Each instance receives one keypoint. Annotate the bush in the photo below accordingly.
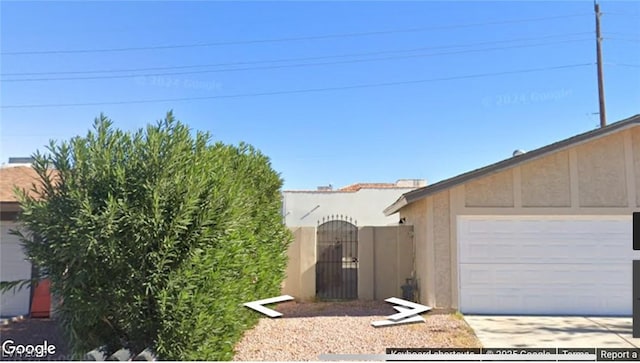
(156, 238)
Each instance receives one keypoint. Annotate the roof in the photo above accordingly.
(11, 176)
(424, 192)
(353, 188)
(358, 186)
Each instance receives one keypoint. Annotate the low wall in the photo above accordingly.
(385, 256)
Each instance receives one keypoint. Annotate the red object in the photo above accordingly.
(41, 303)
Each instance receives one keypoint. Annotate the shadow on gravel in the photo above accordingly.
(339, 308)
(34, 332)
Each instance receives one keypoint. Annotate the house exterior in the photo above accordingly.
(344, 247)
(13, 265)
(543, 232)
(362, 202)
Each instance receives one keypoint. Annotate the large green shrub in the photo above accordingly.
(156, 238)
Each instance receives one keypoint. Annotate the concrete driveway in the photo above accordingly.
(552, 331)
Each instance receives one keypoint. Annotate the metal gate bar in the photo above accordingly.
(337, 258)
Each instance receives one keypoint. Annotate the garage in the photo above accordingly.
(13, 267)
(548, 265)
(542, 232)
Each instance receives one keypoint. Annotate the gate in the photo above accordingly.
(337, 258)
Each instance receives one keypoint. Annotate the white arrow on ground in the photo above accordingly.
(415, 309)
(411, 319)
(257, 305)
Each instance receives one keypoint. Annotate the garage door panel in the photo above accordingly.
(545, 300)
(569, 276)
(544, 241)
(13, 266)
(518, 265)
(544, 223)
(514, 303)
(14, 304)
(505, 304)
(531, 248)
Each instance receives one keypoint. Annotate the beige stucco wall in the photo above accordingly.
(599, 177)
(601, 173)
(634, 135)
(385, 261)
(416, 215)
(546, 182)
(494, 190)
(300, 281)
(442, 248)
(366, 263)
(384, 255)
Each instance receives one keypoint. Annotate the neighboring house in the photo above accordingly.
(13, 265)
(362, 202)
(344, 246)
(544, 232)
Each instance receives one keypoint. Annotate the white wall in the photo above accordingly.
(366, 205)
(13, 267)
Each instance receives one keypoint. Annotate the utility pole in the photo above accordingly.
(603, 113)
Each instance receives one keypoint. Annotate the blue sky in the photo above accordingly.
(369, 91)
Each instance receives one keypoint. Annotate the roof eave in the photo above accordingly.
(396, 206)
(425, 191)
(10, 206)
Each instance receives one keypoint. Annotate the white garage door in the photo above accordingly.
(13, 267)
(571, 265)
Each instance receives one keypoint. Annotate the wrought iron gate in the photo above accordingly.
(337, 258)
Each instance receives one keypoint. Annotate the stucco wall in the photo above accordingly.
(416, 215)
(384, 255)
(393, 250)
(304, 209)
(300, 281)
(495, 190)
(442, 249)
(601, 172)
(366, 263)
(546, 182)
(635, 140)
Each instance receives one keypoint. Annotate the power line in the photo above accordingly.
(623, 34)
(299, 91)
(288, 39)
(292, 59)
(624, 39)
(285, 66)
(633, 15)
(622, 64)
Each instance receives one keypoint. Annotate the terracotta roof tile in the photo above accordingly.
(354, 188)
(358, 186)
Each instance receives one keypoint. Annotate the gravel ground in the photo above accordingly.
(34, 331)
(307, 330)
